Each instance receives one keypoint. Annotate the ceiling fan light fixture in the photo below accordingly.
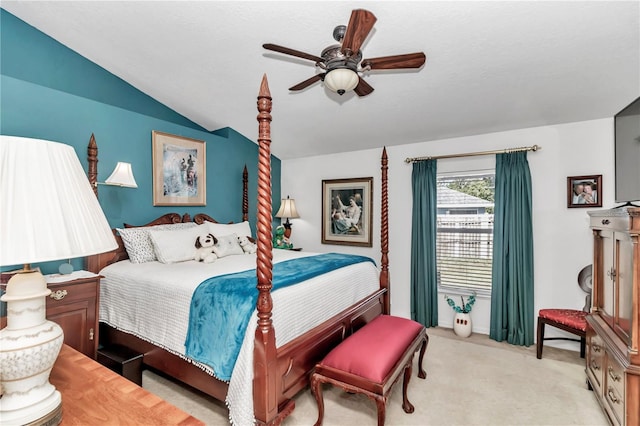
(341, 80)
(342, 63)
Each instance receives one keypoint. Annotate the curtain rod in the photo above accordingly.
(533, 148)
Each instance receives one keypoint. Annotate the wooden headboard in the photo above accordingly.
(96, 263)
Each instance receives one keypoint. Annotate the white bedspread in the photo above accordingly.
(151, 300)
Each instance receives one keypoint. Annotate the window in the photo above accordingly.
(465, 231)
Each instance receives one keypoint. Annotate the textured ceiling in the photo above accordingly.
(491, 66)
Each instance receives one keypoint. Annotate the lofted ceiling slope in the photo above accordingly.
(491, 65)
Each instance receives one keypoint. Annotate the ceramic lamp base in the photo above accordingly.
(52, 419)
(47, 412)
(29, 346)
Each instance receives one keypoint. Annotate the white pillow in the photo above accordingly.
(227, 245)
(240, 229)
(178, 245)
(138, 244)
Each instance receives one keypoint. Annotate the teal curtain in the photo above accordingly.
(424, 278)
(512, 316)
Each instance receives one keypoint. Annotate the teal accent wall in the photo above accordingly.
(47, 91)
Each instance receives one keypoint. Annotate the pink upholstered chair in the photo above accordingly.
(571, 320)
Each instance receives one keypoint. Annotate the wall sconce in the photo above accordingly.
(288, 210)
(48, 212)
(122, 176)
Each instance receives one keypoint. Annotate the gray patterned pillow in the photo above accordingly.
(138, 243)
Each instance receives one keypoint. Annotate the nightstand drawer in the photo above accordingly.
(66, 293)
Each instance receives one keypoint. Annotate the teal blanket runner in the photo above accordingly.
(222, 306)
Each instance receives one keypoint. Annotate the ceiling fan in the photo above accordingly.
(342, 63)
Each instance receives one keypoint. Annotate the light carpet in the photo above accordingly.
(473, 381)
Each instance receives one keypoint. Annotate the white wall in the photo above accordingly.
(562, 239)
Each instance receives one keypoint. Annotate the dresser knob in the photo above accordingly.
(58, 294)
(612, 396)
(605, 221)
(615, 377)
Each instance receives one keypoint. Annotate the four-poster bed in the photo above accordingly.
(277, 372)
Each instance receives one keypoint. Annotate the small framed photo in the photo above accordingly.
(584, 191)
(347, 211)
(179, 171)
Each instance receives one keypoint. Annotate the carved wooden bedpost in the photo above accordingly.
(92, 157)
(265, 383)
(245, 194)
(384, 233)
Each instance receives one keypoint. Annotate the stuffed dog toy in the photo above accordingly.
(247, 246)
(204, 248)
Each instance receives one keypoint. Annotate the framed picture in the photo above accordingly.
(584, 191)
(179, 171)
(347, 211)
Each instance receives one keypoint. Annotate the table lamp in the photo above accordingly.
(287, 210)
(48, 212)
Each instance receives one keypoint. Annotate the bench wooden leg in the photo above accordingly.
(406, 404)
(316, 389)
(421, 373)
(381, 404)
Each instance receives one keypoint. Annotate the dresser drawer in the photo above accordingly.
(610, 222)
(596, 359)
(614, 391)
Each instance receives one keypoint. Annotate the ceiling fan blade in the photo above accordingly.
(308, 82)
(292, 52)
(410, 60)
(363, 88)
(360, 25)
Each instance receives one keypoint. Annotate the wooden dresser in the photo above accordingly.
(613, 332)
(94, 395)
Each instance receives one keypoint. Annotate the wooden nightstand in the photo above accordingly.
(73, 304)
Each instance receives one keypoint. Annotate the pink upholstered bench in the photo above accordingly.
(371, 360)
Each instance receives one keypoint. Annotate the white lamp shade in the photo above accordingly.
(48, 210)
(122, 176)
(341, 80)
(288, 209)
